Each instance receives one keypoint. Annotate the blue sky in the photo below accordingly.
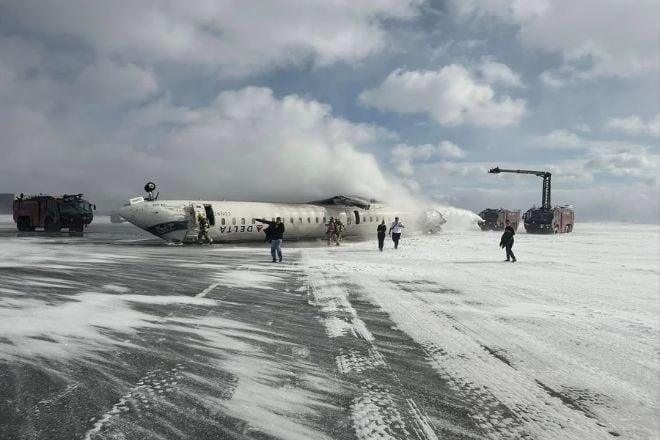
(299, 100)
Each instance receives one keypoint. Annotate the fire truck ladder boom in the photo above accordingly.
(545, 196)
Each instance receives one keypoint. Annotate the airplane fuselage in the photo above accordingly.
(176, 220)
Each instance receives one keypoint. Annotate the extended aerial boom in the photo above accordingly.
(545, 196)
(546, 219)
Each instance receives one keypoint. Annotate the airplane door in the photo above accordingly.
(195, 210)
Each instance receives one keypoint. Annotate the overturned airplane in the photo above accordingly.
(176, 220)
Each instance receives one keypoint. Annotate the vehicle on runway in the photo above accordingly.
(546, 219)
(52, 213)
(176, 220)
(495, 219)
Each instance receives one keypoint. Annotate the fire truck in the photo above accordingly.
(52, 213)
(546, 219)
(495, 219)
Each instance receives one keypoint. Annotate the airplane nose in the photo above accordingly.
(127, 213)
(131, 211)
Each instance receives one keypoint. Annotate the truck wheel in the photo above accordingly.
(23, 224)
(76, 227)
(569, 228)
(51, 226)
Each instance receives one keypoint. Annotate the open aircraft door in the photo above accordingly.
(194, 210)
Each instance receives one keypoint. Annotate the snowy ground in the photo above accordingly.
(117, 336)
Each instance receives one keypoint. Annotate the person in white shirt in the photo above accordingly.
(395, 231)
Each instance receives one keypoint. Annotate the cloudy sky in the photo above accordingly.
(304, 99)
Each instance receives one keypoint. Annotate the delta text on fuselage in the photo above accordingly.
(176, 220)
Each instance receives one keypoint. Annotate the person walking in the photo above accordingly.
(507, 242)
(331, 232)
(380, 230)
(203, 234)
(339, 230)
(395, 231)
(274, 233)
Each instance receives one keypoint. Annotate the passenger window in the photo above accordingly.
(371, 219)
(253, 221)
(242, 221)
(299, 219)
(222, 221)
(233, 220)
(317, 219)
(324, 222)
(309, 220)
(291, 219)
(364, 219)
(376, 219)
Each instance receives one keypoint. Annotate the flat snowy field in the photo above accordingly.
(115, 335)
(561, 344)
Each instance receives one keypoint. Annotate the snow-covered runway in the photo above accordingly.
(114, 335)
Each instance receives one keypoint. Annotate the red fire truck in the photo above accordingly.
(52, 213)
(495, 219)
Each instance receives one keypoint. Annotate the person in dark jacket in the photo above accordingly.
(507, 242)
(381, 230)
(274, 233)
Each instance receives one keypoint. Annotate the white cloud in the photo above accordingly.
(552, 79)
(613, 158)
(232, 36)
(247, 144)
(560, 139)
(584, 128)
(631, 163)
(404, 156)
(451, 96)
(635, 125)
(612, 37)
(498, 73)
(120, 82)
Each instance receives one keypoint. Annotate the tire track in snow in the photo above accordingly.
(153, 385)
(505, 401)
(379, 411)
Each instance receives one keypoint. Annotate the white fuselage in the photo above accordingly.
(176, 220)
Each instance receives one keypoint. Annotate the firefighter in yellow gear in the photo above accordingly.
(203, 235)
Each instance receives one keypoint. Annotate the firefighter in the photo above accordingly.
(331, 232)
(203, 235)
(339, 229)
(507, 242)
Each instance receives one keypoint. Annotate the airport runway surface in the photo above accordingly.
(115, 335)
(121, 337)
